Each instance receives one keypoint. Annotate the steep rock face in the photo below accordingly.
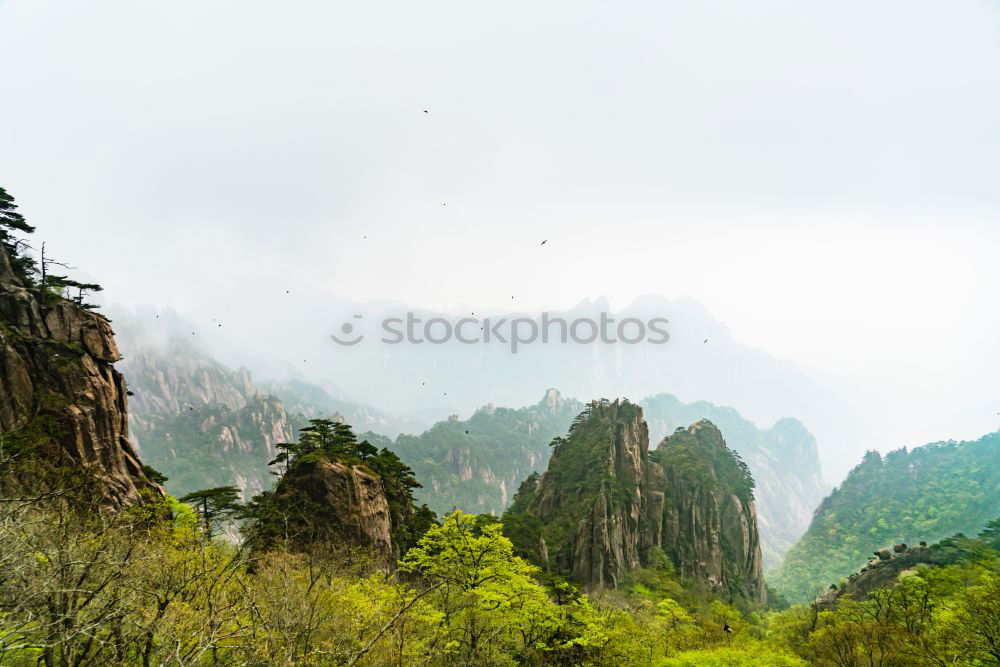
(59, 387)
(783, 459)
(608, 500)
(199, 422)
(341, 503)
(605, 504)
(710, 517)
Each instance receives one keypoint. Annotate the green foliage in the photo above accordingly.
(750, 656)
(284, 514)
(470, 463)
(214, 506)
(142, 586)
(907, 496)
(698, 456)
(154, 475)
(11, 221)
(491, 609)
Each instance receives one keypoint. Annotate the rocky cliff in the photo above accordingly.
(194, 419)
(783, 459)
(881, 572)
(336, 492)
(606, 506)
(710, 519)
(334, 502)
(61, 399)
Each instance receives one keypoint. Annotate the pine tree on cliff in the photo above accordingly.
(10, 222)
(285, 514)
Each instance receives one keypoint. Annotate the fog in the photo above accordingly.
(820, 177)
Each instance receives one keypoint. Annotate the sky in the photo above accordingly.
(822, 177)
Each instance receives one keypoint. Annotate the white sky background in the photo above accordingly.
(824, 177)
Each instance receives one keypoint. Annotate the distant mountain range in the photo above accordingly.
(700, 361)
(204, 424)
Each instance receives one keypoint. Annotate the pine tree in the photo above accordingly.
(10, 222)
(214, 505)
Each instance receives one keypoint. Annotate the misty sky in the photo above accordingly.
(822, 176)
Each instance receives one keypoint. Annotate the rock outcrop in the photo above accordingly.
(340, 504)
(606, 506)
(710, 519)
(784, 460)
(881, 572)
(600, 492)
(60, 395)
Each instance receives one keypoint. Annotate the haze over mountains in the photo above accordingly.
(425, 381)
(206, 425)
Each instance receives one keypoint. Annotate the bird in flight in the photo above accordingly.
(544, 242)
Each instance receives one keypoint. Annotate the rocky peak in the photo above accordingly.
(59, 388)
(336, 502)
(553, 400)
(710, 518)
(605, 504)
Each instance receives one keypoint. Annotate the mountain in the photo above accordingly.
(885, 568)
(606, 506)
(307, 401)
(63, 406)
(204, 424)
(336, 493)
(197, 421)
(455, 377)
(477, 463)
(783, 460)
(906, 496)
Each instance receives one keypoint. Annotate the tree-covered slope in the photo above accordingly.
(923, 494)
(477, 464)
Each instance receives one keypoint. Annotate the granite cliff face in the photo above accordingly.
(605, 506)
(61, 398)
(710, 518)
(339, 503)
(194, 419)
(599, 496)
(784, 461)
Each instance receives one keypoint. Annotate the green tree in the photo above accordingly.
(215, 505)
(11, 222)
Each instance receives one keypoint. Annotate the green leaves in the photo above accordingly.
(214, 505)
